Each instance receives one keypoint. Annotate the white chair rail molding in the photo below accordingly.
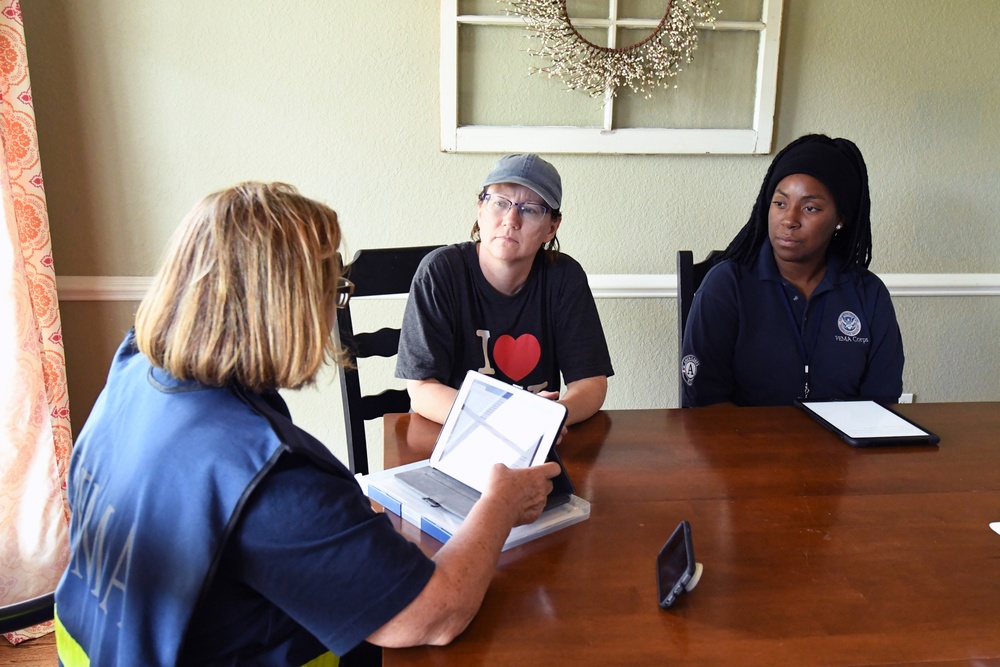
(604, 286)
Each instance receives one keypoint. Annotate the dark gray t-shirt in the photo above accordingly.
(456, 322)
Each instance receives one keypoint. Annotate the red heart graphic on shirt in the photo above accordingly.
(516, 357)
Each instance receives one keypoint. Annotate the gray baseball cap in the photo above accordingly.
(530, 171)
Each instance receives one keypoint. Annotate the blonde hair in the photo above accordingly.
(247, 293)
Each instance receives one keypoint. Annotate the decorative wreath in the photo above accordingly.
(595, 69)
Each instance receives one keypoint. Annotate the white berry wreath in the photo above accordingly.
(595, 69)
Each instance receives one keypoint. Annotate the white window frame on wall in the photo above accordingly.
(608, 139)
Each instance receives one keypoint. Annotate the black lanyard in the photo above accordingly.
(804, 354)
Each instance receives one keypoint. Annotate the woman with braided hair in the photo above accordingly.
(791, 310)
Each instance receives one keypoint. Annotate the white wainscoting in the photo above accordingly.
(604, 286)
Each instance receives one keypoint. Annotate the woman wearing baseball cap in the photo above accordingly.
(792, 310)
(507, 303)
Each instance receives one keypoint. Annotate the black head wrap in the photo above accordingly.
(828, 164)
(837, 164)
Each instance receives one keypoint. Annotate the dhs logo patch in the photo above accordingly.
(689, 368)
(849, 323)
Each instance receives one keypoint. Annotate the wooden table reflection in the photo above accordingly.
(815, 553)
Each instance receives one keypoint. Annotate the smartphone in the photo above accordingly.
(676, 569)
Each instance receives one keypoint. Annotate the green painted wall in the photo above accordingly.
(144, 107)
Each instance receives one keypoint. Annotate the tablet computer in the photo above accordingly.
(490, 422)
(863, 423)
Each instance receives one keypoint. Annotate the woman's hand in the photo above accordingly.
(524, 490)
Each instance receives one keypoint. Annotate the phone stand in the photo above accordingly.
(695, 578)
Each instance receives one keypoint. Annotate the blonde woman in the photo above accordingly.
(207, 528)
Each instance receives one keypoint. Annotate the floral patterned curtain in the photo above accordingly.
(35, 436)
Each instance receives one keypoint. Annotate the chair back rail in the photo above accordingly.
(374, 272)
(689, 277)
(381, 343)
(27, 613)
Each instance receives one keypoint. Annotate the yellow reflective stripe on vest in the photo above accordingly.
(328, 659)
(71, 654)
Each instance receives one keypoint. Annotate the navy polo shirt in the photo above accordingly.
(753, 339)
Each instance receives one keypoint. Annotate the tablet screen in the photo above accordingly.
(492, 422)
(864, 419)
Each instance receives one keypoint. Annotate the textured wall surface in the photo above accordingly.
(145, 107)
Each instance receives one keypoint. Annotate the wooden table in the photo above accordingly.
(815, 553)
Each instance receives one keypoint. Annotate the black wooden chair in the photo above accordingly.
(27, 613)
(374, 272)
(689, 277)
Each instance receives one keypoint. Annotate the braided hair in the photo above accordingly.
(853, 245)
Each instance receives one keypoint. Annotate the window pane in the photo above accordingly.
(716, 90)
(642, 9)
(590, 9)
(495, 88)
(741, 10)
(481, 8)
(732, 10)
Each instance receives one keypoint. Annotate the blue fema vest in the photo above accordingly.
(157, 480)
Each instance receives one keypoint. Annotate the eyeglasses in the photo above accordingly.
(530, 211)
(345, 289)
